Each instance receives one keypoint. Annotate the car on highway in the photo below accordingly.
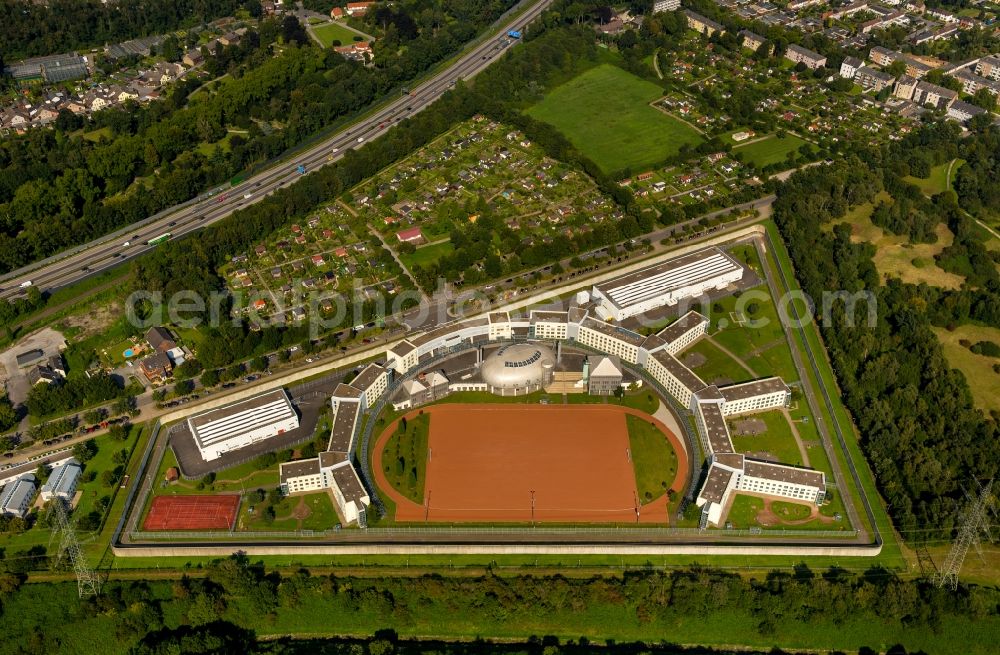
(126, 244)
(360, 139)
(246, 196)
(26, 284)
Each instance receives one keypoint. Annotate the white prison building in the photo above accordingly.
(235, 426)
(667, 283)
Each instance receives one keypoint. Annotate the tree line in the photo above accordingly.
(220, 609)
(29, 29)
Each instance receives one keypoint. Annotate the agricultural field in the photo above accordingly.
(605, 113)
(981, 371)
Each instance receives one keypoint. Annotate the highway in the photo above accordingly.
(87, 260)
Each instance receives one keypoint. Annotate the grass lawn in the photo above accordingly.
(895, 256)
(790, 511)
(406, 457)
(769, 150)
(778, 440)
(937, 181)
(427, 255)
(653, 459)
(743, 513)
(605, 113)
(719, 368)
(758, 338)
(978, 369)
(316, 510)
(98, 134)
(331, 32)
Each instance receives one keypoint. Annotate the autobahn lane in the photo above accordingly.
(220, 202)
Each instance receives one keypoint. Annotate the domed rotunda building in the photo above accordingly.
(517, 369)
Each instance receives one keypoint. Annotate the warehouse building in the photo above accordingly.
(667, 283)
(242, 423)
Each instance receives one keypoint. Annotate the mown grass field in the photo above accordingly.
(605, 113)
(937, 181)
(653, 459)
(405, 456)
(427, 255)
(331, 32)
(978, 369)
(770, 150)
(778, 440)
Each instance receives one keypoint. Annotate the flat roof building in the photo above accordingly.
(667, 283)
(242, 423)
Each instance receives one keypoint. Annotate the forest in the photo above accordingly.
(30, 29)
(220, 608)
(919, 430)
(59, 189)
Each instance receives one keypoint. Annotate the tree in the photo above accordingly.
(896, 68)
(985, 98)
(84, 451)
(183, 388)
(8, 416)
(210, 378)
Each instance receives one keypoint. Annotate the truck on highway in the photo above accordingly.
(155, 241)
(514, 34)
(26, 284)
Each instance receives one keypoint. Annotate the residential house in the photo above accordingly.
(797, 54)
(872, 79)
(157, 367)
(963, 111)
(751, 40)
(849, 67)
(703, 25)
(160, 339)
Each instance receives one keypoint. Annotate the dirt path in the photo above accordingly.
(733, 355)
(347, 208)
(803, 451)
(768, 517)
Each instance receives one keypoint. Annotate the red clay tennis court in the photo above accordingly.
(523, 463)
(192, 513)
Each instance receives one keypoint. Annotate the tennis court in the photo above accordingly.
(192, 512)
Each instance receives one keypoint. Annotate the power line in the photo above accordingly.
(974, 524)
(87, 582)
